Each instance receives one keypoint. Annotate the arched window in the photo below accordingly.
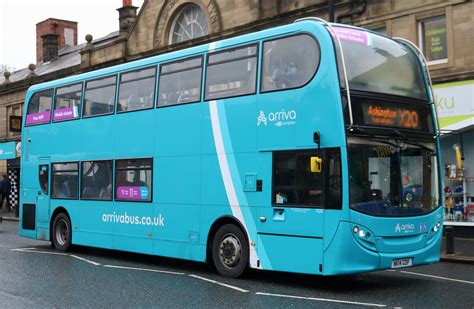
(189, 23)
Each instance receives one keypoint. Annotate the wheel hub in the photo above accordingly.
(61, 232)
(230, 250)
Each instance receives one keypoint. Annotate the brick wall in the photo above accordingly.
(53, 26)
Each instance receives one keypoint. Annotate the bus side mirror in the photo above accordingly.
(316, 164)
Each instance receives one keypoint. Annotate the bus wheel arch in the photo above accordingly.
(228, 232)
(61, 230)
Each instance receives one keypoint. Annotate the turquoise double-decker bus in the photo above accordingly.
(307, 148)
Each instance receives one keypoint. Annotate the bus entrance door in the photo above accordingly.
(43, 198)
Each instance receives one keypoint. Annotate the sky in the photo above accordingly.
(18, 19)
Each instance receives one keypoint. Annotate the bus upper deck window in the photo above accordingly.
(99, 97)
(137, 90)
(39, 108)
(180, 82)
(67, 102)
(231, 73)
(289, 62)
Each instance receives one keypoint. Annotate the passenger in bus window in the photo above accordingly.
(285, 74)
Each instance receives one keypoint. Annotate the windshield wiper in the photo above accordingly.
(409, 141)
(375, 138)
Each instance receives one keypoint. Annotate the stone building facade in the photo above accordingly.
(158, 28)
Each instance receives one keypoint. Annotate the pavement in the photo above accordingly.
(463, 247)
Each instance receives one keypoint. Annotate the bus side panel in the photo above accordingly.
(177, 181)
(93, 224)
(281, 252)
(176, 231)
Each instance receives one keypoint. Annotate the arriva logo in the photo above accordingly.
(282, 118)
(405, 228)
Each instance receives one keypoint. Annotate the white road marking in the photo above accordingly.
(436, 277)
(32, 250)
(220, 283)
(85, 260)
(145, 269)
(323, 299)
(42, 252)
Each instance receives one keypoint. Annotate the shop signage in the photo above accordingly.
(7, 151)
(15, 123)
(434, 39)
(454, 102)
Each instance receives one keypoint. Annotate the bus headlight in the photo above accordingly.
(364, 237)
(436, 227)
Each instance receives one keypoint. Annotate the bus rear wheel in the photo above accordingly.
(230, 251)
(61, 235)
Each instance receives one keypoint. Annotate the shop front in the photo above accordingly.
(455, 105)
(10, 166)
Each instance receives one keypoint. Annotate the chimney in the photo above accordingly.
(127, 16)
(50, 47)
(53, 34)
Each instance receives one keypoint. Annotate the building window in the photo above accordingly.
(189, 23)
(133, 180)
(180, 82)
(14, 113)
(433, 39)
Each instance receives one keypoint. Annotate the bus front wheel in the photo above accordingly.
(230, 251)
(61, 234)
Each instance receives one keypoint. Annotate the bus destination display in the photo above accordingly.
(382, 115)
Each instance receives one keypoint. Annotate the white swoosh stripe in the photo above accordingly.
(226, 176)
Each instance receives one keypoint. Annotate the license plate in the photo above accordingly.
(399, 263)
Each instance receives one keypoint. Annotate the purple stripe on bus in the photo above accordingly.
(38, 118)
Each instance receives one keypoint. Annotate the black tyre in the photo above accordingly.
(62, 232)
(230, 251)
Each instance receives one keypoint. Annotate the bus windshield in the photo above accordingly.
(390, 178)
(375, 63)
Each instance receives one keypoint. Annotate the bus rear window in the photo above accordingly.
(67, 102)
(39, 108)
(231, 73)
(136, 90)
